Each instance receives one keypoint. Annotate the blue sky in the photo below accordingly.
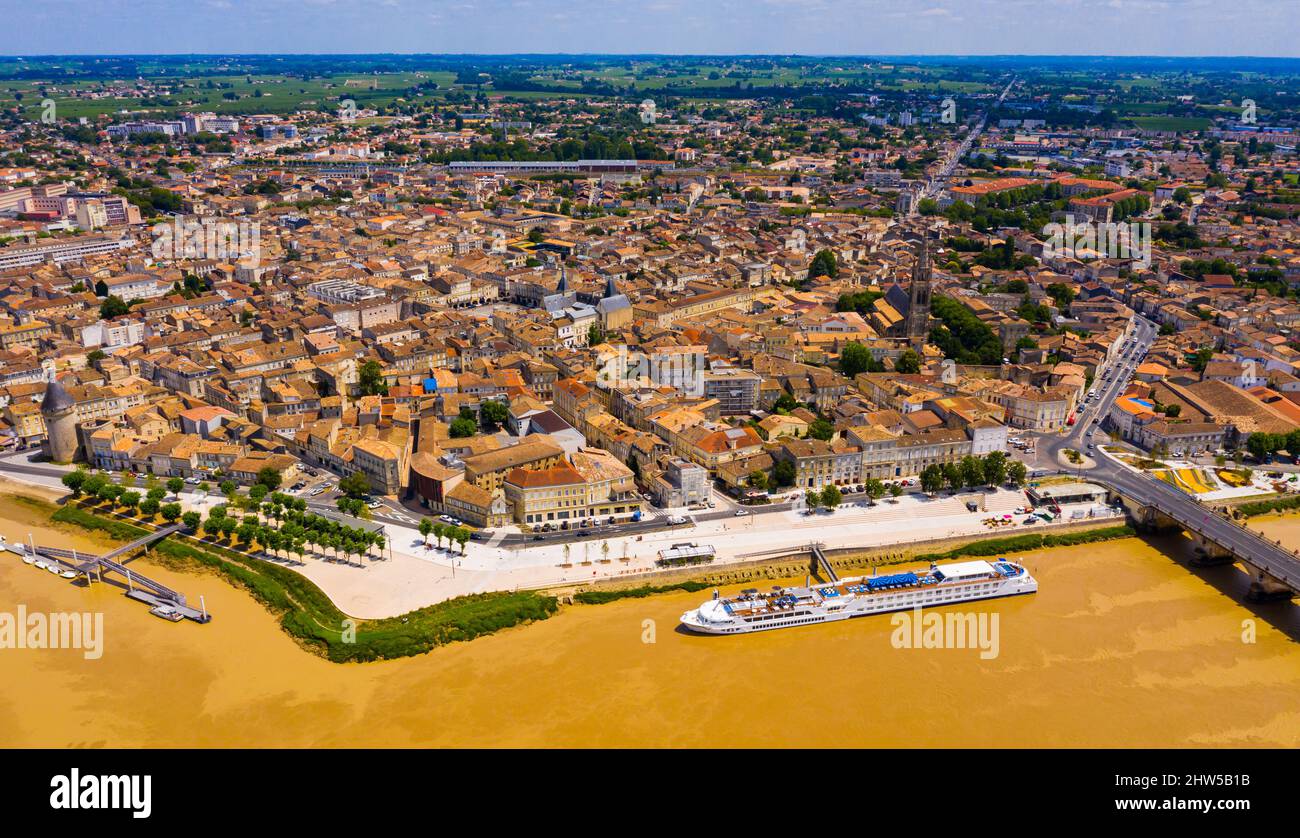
(842, 27)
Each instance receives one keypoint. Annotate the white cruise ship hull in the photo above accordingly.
(714, 618)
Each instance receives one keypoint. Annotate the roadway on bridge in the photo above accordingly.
(1146, 490)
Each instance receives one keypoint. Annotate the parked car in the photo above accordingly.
(740, 513)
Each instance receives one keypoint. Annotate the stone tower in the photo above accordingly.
(59, 411)
(918, 309)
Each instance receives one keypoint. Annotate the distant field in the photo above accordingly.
(1171, 123)
(261, 94)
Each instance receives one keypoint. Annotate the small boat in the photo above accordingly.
(68, 574)
(167, 613)
(53, 568)
(29, 559)
(41, 565)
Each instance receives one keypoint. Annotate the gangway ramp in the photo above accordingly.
(821, 563)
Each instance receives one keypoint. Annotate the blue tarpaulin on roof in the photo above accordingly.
(877, 582)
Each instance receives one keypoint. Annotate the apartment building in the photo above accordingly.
(489, 470)
(594, 485)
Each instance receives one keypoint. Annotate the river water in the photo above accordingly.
(1122, 646)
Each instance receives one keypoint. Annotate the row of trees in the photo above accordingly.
(993, 469)
(831, 496)
(1262, 445)
(294, 529)
(439, 531)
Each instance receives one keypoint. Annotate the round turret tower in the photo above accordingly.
(59, 411)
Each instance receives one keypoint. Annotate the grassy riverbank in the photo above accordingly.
(603, 596)
(1028, 541)
(1289, 503)
(307, 614)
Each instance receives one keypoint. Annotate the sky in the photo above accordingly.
(715, 27)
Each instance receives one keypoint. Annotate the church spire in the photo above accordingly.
(918, 309)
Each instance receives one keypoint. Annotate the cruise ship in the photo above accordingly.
(944, 584)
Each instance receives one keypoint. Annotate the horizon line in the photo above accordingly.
(28, 56)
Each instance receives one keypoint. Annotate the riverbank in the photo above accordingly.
(304, 611)
(309, 614)
(845, 561)
(1161, 647)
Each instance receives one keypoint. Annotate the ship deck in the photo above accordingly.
(864, 586)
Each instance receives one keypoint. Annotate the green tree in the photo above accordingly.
(269, 477)
(757, 480)
(783, 473)
(149, 507)
(785, 403)
(854, 358)
(931, 479)
(1061, 294)
(875, 488)
(908, 363)
(113, 307)
(92, 484)
(74, 480)
(355, 485)
(493, 414)
(462, 427)
(823, 264)
(130, 501)
(952, 476)
(831, 496)
(821, 429)
(972, 470)
(1017, 473)
(370, 379)
(192, 520)
(1202, 358)
(175, 485)
(426, 527)
(812, 498)
(995, 468)
(171, 512)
